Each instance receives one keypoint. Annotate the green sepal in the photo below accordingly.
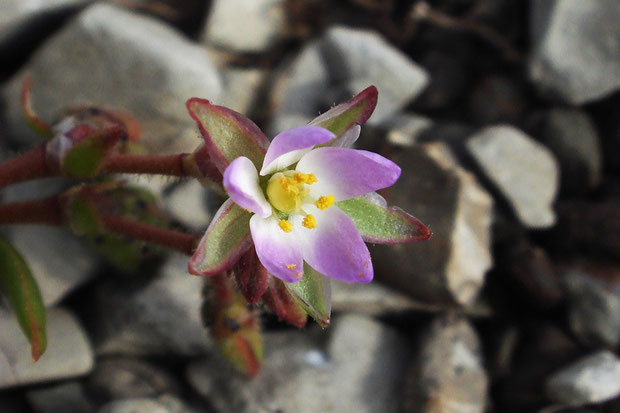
(227, 238)
(85, 159)
(380, 224)
(354, 111)
(313, 293)
(227, 134)
(23, 294)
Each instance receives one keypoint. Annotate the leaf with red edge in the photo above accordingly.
(235, 328)
(381, 224)
(283, 304)
(252, 277)
(88, 153)
(227, 134)
(355, 111)
(227, 238)
(21, 289)
(36, 124)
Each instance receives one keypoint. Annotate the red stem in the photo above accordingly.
(29, 165)
(147, 164)
(46, 211)
(179, 241)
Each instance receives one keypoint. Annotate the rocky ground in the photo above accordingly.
(505, 118)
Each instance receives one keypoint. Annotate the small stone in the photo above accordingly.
(162, 404)
(448, 373)
(159, 316)
(575, 47)
(245, 26)
(186, 203)
(358, 371)
(405, 129)
(129, 378)
(523, 170)
(66, 397)
(573, 138)
(360, 58)
(449, 267)
(593, 307)
(591, 379)
(241, 88)
(111, 57)
(68, 352)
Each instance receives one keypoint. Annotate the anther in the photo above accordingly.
(309, 222)
(285, 225)
(324, 202)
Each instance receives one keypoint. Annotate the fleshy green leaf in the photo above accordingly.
(226, 240)
(280, 300)
(87, 156)
(381, 224)
(252, 278)
(313, 293)
(233, 325)
(36, 124)
(355, 111)
(227, 134)
(17, 283)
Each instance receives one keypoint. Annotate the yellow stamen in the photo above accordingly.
(285, 225)
(309, 222)
(290, 266)
(324, 202)
(302, 178)
(299, 275)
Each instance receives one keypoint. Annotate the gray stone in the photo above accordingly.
(449, 267)
(241, 88)
(66, 397)
(245, 26)
(129, 378)
(523, 170)
(591, 379)
(186, 203)
(593, 308)
(159, 316)
(360, 58)
(572, 136)
(163, 404)
(405, 129)
(111, 57)
(68, 351)
(358, 371)
(575, 48)
(447, 375)
(338, 65)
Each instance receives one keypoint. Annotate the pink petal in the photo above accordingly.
(278, 251)
(241, 184)
(347, 173)
(335, 248)
(289, 146)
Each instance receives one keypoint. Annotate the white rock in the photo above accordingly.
(358, 371)
(244, 26)
(241, 87)
(68, 351)
(523, 170)
(113, 58)
(159, 317)
(576, 45)
(405, 129)
(591, 379)
(186, 203)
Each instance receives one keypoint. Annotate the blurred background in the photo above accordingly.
(505, 118)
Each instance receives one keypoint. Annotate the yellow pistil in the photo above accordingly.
(309, 222)
(324, 202)
(285, 225)
(285, 191)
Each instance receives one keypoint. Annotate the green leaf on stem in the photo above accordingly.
(313, 293)
(86, 157)
(36, 124)
(227, 238)
(355, 111)
(381, 224)
(21, 289)
(227, 134)
(280, 300)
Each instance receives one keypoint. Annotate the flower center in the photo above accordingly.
(286, 190)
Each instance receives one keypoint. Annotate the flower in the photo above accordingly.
(294, 199)
(305, 201)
